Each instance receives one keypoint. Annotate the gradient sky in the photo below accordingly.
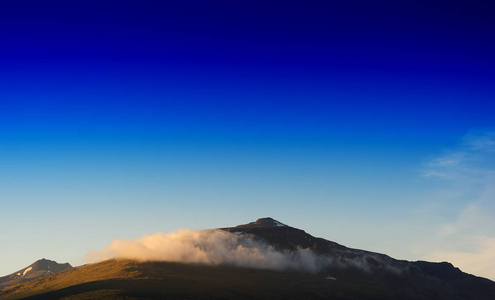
(368, 123)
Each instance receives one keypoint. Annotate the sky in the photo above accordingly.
(367, 123)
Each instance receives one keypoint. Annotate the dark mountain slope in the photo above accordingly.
(125, 279)
(421, 278)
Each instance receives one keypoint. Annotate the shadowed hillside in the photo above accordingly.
(153, 280)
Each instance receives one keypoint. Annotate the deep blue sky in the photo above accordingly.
(129, 117)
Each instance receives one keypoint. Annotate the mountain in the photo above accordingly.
(417, 280)
(343, 273)
(38, 269)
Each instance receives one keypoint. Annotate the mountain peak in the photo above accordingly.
(269, 222)
(264, 223)
(40, 268)
(49, 265)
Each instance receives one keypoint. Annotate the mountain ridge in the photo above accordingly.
(429, 273)
(345, 273)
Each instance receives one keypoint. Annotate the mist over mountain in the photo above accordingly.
(214, 247)
(264, 259)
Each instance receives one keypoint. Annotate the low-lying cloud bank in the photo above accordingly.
(213, 247)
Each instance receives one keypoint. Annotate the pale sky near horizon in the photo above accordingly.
(371, 125)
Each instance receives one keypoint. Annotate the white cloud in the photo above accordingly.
(212, 247)
(468, 239)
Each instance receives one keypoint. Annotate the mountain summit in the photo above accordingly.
(38, 269)
(284, 237)
(341, 273)
(264, 222)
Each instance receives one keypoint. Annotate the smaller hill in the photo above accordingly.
(38, 269)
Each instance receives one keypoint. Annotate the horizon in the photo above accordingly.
(370, 125)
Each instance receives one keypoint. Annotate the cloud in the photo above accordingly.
(472, 162)
(468, 176)
(213, 247)
(219, 247)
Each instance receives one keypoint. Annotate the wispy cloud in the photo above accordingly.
(468, 239)
(472, 161)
